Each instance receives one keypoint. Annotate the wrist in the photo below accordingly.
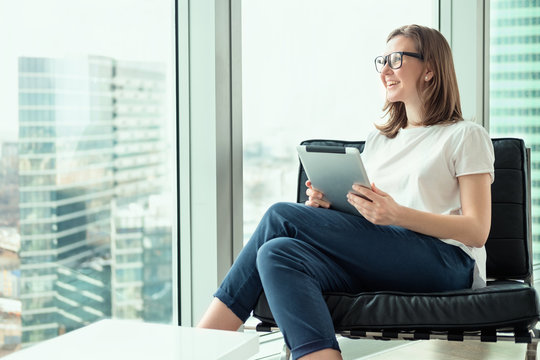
(401, 215)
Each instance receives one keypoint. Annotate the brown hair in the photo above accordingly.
(440, 96)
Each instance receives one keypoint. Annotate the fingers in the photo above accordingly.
(310, 186)
(312, 203)
(379, 208)
(364, 206)
(377, 190)
(363, 192)
(314, 193)
(358, 201)
(316, 198)
(317, 203)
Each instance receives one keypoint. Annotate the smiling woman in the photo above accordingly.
(431, 209)
(427, 83)
(400, 78)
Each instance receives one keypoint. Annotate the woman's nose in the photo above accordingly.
(386, 69)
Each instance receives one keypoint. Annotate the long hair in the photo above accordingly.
(440, 95)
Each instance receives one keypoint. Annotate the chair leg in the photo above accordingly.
(531, 350)
(285, 353)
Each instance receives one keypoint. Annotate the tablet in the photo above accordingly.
(333, 170)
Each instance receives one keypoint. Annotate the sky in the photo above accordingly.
(139, 30)
(307, 65)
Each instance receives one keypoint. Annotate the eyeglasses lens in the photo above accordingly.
(395, 60)
(379, 63)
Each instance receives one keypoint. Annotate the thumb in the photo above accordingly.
(376, 190)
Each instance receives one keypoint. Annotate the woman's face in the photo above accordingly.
(401, 84)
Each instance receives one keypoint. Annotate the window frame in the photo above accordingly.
(209, 125)
(209, 149)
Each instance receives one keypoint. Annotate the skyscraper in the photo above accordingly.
(66, 153)
(139, 173)
(10, 304)
(515, 85)
(10, 243)
(91, 149)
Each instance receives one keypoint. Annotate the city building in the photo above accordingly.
(91, 150)
(10, 304)
(10, 243)
(139, 173)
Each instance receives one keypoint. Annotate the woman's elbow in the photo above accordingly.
(481, 237)
(480, 242)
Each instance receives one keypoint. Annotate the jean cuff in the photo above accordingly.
(313, 346)
(233, 305)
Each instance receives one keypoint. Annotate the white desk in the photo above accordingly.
(118, 340)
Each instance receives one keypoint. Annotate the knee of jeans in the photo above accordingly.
(280, 214)
(279, 208)
(270, 253)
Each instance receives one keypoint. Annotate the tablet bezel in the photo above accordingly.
(333, 170)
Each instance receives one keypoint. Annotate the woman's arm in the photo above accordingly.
(471, 228)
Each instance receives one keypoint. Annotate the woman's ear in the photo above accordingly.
(428, 72)
(428, 75)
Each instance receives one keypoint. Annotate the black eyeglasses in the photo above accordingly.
(394, 60)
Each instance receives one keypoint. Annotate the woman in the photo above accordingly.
(425, 232)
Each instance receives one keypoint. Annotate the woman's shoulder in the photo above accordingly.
(471, 136)
(460, 130)
(454, 130)
(373, 134)
(465, 126)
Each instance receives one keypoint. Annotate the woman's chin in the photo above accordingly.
(391, 96)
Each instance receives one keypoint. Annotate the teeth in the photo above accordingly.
(388, 83)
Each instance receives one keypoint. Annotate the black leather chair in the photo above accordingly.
(507, 309)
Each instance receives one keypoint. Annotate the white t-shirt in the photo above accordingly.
(420, 166)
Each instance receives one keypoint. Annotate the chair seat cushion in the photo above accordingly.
(500, 305)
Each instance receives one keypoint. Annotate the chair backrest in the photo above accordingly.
(509, 242)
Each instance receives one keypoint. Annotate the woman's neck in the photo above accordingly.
(414, 117)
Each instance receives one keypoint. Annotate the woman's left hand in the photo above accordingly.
(381, 210)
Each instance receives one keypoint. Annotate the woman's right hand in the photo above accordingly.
(315, 197)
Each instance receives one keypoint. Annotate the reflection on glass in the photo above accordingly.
(85, 184)
(514, 86)
(92, 256)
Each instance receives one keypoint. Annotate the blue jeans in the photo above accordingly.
(298, 252)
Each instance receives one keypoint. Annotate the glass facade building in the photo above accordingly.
(10, 243)
(139, 169)
(91, 160)
(10, 304)
(515, 85)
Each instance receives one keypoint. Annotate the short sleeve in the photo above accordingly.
(473, 152)
(368, 144)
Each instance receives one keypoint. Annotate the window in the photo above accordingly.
(514, 87)
(308, 72)
(86, 142)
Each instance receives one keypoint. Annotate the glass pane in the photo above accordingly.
(515, 86)
(308, 72)
(85, 180)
